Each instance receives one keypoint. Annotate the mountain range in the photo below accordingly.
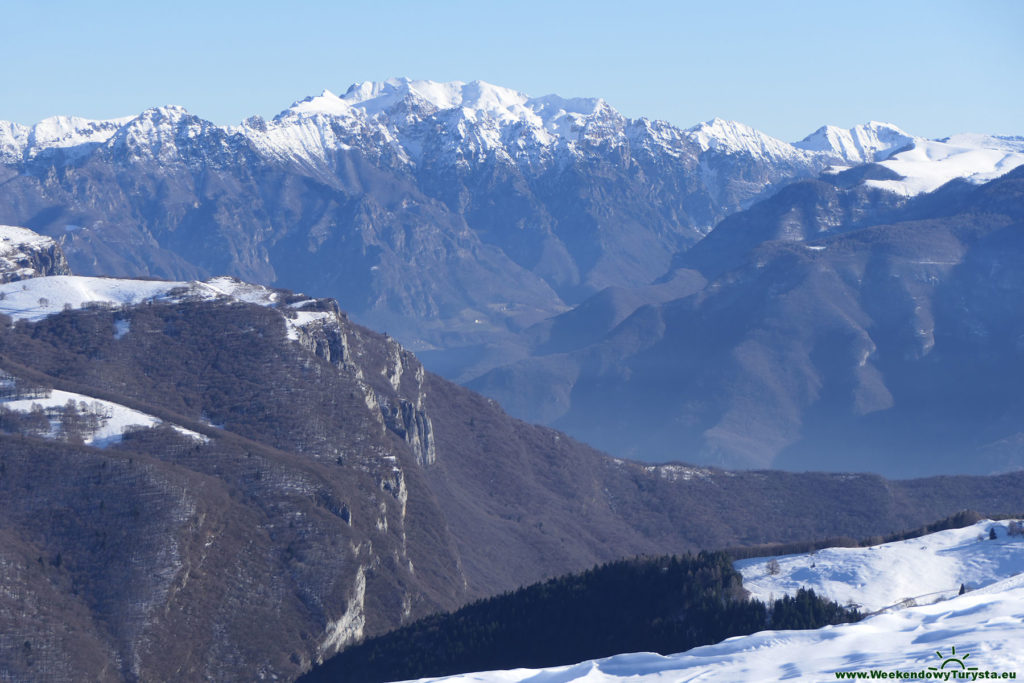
(578, 265)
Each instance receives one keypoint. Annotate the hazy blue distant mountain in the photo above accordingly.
(839, 330)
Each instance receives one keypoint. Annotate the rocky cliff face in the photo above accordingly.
(25, 254)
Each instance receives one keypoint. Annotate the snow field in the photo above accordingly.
(923, 569)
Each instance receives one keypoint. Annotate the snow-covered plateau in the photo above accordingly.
(982, 628)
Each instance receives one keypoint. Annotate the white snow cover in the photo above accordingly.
(17, 141)
(477, 117)
(931, 163)
(496, 102)
(70, 131)
(42, 297)
(860, 144)
(924, 569)
(115, 419)
(13, 238)
(987, 624)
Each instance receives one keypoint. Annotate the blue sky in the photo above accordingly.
(935, 68)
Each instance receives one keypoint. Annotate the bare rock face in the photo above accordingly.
(25, 254)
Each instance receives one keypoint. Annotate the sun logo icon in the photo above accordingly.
(954, 660)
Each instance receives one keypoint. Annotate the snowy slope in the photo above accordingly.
(924, 569)
(14, 239)
(922, 165)
(929, 164)
(113, 420)
(41, 297)
(987, 625)
(478, 99)
(987, 622)
(449, 121)
(45, 296)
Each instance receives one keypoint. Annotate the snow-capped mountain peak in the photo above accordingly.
(864, 143)
(477, 101)
(324, 103)
(69, 131)
(55, 132)
(455, 121)
(154, 133)
(496, 101)
(731, 137)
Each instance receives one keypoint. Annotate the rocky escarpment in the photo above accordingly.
(393, 384)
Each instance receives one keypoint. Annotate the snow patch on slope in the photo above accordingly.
(113, 420)
(41, 297)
